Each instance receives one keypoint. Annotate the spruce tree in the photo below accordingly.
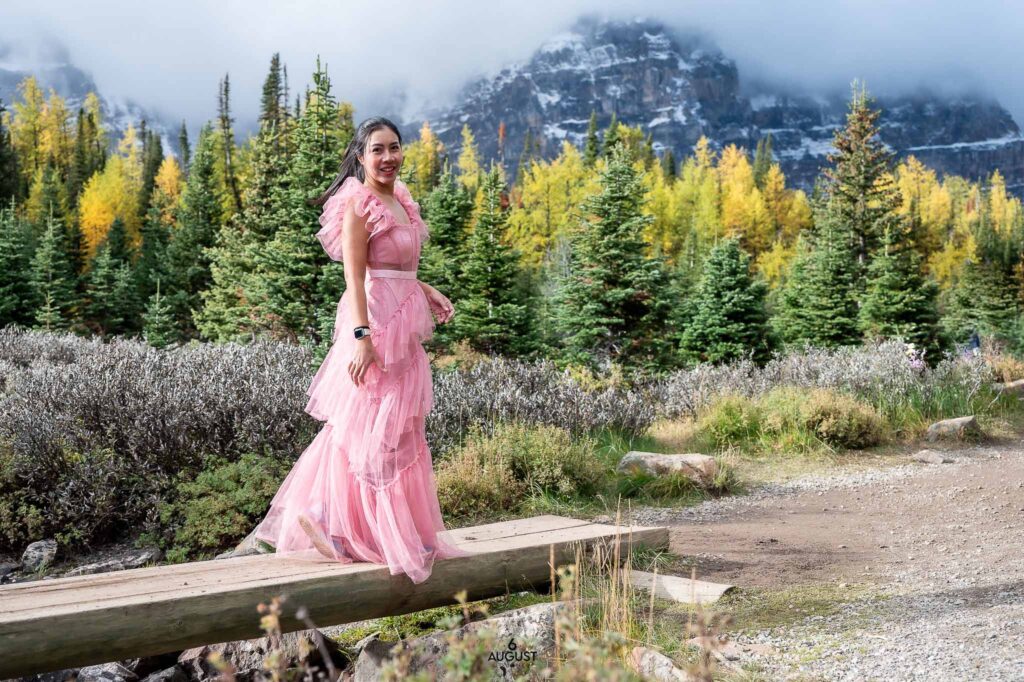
(668, 164)
(152, 157)
(762, 160)
(611, 137)
(492, 314)
(982, 301)
(610, 303)
(152, 262)
(448, 210)
(158, 328)
(729, 320)
(859, 184)
(16, 293)
(273, 98)
(9, 173)
(592, 147)
(188, 261)
(227, 143)
(52, 280)
(185, 148)
(899, 301)
(818, 303)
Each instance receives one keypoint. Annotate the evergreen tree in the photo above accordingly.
(611, 137)
(273, 99)
(186, 150)
(668, 164)
(818, 303)
(152, 157)
(9, 172)
(859, 182)
(531, 151)
(227, 141)
(158, 323)
(289, 266)
(899, 301)
(729, 320)
(982, 301)
(762, 160)
(198, 220)
(592, 147)
(152, 261)
(492, 314)
(52, 280)
(16, 293)
(117, 243)
(447, 210)
(610, 304)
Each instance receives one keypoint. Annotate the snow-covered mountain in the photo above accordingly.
(680, 87)
(50, 63)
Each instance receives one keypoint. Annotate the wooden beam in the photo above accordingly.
(48, 625)
(682, 590)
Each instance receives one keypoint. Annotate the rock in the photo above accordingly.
(959, 429)
(38, 555)
(98, 567)
(701, 469)
(522, 637)
(247, 655)
(107, 672)
(931, 457)
(7, 568)
(656, 666)
(1012, 388)
(682, 590)
(250, 545)
(173, 674)
(142, 557)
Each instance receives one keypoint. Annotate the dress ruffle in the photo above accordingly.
(379, 219)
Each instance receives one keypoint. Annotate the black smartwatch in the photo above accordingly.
(360, 332)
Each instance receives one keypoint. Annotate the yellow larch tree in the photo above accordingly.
(469, 161)
(423, 162)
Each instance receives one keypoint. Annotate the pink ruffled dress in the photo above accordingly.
(364, 489)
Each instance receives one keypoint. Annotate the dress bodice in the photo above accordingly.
(393, 245)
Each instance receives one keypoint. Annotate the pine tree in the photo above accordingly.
(610, 305)
(859, 182)
(152, 262)
(592, 147)
(668, 164)
(290, 266)
(227, 142)
(611, 137)
(158, 323)
(117, 243)
(52, 280)
(899, 301)
(188, 261)
(448, 210)
(273, 99)
(762, 160)
(8, 161)
(492, 313)
(729, 320)
(818, 303)
(16, 293)
(152, 158)
(186, 150)
(982, 301)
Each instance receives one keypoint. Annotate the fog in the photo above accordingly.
(170, 56)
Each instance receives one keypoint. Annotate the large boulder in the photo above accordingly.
(960, 428)
(247, 655)
(1015, 388)
(654, 665)
(701, 469)
(106, 672)
(38, 555)
(522, 637)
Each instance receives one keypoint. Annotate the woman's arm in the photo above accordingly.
(355, 245)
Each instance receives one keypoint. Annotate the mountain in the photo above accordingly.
(678, 87)
(49, 62)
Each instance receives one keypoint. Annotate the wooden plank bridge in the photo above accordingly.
(48, 625)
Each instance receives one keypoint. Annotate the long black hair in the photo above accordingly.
(350, 161)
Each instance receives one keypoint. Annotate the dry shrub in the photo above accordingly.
(840, 420)
(470, 487)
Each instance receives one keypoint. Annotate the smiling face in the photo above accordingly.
(382, 157)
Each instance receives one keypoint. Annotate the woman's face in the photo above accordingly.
(382, 157)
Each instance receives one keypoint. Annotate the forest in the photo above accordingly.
(607, 255)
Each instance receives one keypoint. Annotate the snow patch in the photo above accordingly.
(993, 143)
(548, 98)
(759, 102)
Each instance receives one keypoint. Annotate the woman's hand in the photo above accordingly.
(364, 356)
(439, 303)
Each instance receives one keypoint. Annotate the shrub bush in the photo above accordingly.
(470, 488)
(216, 509)
(840, 420)
(730, 420)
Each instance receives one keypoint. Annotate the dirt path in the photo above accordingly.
(942, 543)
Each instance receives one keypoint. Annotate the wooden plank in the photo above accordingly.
(82, 620)
(682, 590)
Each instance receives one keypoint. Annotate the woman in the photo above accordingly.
(364, 489)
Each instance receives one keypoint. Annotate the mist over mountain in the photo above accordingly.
(678, 87)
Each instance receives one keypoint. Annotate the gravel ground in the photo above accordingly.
(940, 544)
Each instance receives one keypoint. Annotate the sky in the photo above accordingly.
(170, 56)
